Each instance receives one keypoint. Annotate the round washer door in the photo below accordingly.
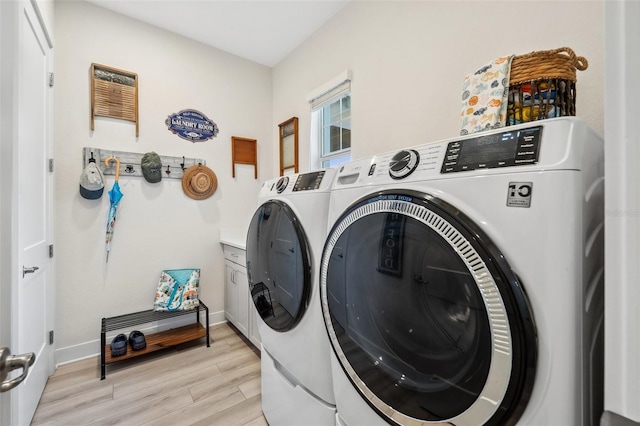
(425, 315)
(278, 265)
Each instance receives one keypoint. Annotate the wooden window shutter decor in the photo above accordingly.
(114, 94)
(244, 151)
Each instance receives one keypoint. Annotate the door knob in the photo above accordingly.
(8, 363)
(31, 270)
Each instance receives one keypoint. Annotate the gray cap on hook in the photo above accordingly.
(151, 167)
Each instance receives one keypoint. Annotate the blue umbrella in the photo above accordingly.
(114, 196)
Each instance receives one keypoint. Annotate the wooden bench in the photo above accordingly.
(156, 341)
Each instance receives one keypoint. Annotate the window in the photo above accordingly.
(331, 123)
(335, 132)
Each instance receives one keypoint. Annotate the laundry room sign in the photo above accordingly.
(519, 194)
(192, 125)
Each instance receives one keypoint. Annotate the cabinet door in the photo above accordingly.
(230, 294)
(242, 285)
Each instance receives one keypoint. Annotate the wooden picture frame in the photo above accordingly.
(114, 94)
(288, 136)
(244, 151)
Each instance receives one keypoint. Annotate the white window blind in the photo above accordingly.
(338, 86)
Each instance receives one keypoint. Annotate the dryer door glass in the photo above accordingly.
(278, 266)
(422, 315)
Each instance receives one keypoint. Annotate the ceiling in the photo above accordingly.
(262, 31)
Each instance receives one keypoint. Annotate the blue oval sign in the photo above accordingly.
(192, 125)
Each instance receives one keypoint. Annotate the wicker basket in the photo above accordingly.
(543, 85)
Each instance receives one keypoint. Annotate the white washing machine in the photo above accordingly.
(462, 281)
(284, 244)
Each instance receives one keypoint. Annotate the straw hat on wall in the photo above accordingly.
(199, 182)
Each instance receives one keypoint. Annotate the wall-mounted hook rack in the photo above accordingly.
(173, 167)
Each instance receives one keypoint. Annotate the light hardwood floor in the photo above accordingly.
(188, 385)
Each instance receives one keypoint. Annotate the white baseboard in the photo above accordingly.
(92, 348)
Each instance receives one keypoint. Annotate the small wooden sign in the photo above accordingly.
(244, 151)
(114, 94)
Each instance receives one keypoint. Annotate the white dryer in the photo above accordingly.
(284, 244)
(462, 281)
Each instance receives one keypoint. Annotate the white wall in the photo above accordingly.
(409, 60)
(158, 226)
(622, 212)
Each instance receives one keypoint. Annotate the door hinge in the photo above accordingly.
(50, 165)
(51, 337)
(50, 250)
(50, 79)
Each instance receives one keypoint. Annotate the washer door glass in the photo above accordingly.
(424, 314)
(278, 266)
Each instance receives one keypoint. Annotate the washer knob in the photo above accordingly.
(282, 184)
(403, 163)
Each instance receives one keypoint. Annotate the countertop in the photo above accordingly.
(234, 237)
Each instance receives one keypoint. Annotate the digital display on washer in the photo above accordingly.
(308, 181)
(514, 148)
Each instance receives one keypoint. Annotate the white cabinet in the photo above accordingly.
(236, 289)
(230, 293)
(239, 308)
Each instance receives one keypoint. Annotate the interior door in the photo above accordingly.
(25, 212)
(33, 207)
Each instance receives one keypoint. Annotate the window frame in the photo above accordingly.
(319, 111)
(337, 88)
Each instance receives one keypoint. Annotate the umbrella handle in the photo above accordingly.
(108, 160)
